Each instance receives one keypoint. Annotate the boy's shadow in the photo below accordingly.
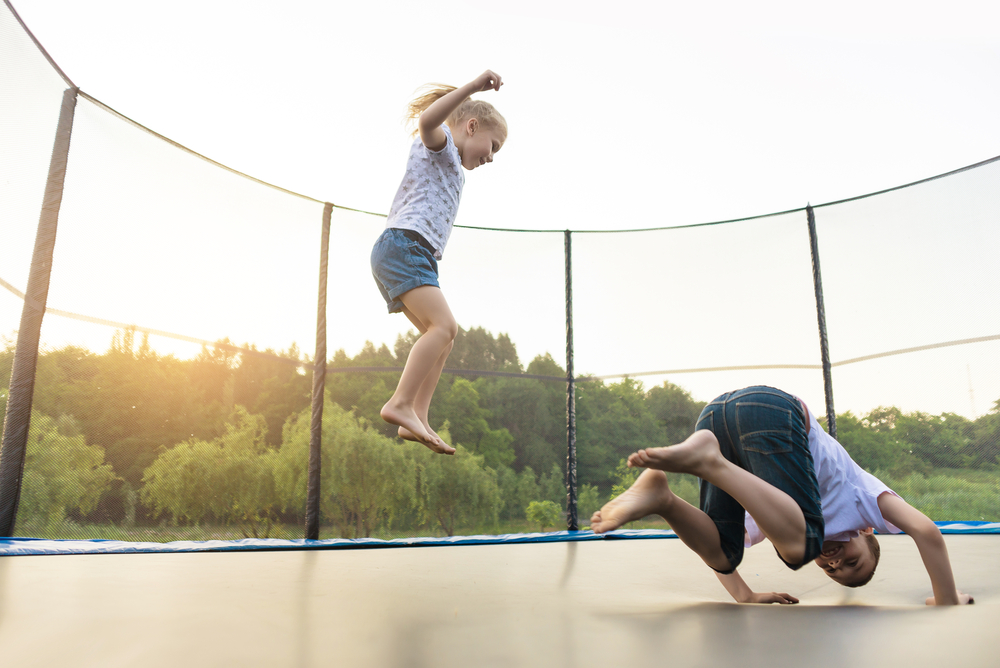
(722, 634)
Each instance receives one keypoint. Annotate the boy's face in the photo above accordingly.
(846, 562)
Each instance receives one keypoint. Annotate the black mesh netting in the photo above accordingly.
(172, 391)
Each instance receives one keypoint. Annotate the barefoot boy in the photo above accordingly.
(769, 470)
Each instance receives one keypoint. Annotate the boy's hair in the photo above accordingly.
(484, 111)
(876, 552)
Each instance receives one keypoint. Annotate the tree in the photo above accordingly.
(230, 478)
(940, 440)
(533, 411)
(873, 443)
(474, 349)
(613, 421)
(588, 501)
(61, 473)
(458, 490)
(552, 487)
(364, 393)
(675, 410)
(625, 477)
(468, 425)
(543, 513)
(985, 446)
(367, 479)
(272, 384)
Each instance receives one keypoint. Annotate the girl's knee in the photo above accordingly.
(451, 331)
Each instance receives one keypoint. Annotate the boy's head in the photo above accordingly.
(853, 563)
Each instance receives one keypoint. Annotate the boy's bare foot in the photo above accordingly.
(408, 420)
(648, 495)
(699, 451)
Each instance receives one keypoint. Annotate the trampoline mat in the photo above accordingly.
(603, 603)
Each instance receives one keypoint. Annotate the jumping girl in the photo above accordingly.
(454, 132)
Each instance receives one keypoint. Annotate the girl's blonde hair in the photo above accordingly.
(484, 111)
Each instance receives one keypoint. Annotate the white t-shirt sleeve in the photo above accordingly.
(752, 533)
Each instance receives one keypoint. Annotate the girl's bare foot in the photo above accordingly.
(648, 495)
(407, 435)
(694, 455)
(407, 419)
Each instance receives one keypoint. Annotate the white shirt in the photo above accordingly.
(848, 493)
(427, 199)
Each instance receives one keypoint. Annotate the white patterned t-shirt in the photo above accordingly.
(427, 199)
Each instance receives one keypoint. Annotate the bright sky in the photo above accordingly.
(648, 114)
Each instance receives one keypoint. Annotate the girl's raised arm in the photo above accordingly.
(429, 124)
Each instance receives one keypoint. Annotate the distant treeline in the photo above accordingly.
(132, 437)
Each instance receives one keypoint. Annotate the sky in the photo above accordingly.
(645, 115)
(651, 113)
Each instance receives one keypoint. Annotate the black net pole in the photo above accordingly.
(571, 492)
(319, 386)
(22, 378)
(824, 343)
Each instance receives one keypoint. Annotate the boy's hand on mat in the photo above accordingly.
(771, 597)
(963, 599)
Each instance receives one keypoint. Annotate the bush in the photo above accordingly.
(543, 513)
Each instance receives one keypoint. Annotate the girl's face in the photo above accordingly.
(479, 144)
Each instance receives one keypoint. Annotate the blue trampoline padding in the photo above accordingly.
(44, 546)
(10, 547)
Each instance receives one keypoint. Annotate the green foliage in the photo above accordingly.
(543, 513)
(949, 497)
(527, 489)
(532, 411)
(458, 490)
(367, 479)
(625, 478)
(136, 406)
(475, 349)
(873, 443)
(685, 486)
(552, 487)
(469, 426)
(613, 422)
(229, 479)
(61, 473)
(588, 502)
(675, 411)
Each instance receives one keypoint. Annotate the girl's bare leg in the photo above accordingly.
(428, 306)
(651, 494)
(776, 513)
(422, 404)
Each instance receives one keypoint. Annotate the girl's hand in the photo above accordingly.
(963, 599)
(487, 80)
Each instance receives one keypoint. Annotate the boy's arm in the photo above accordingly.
(742, 593)
(429, 124)
(930, 544)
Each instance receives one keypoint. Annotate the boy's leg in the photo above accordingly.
(428, 305)
(651, 494)
(777, 514)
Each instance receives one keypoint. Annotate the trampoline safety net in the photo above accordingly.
(169, 395)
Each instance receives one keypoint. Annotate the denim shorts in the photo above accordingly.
(762, 430)
(401, 261)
